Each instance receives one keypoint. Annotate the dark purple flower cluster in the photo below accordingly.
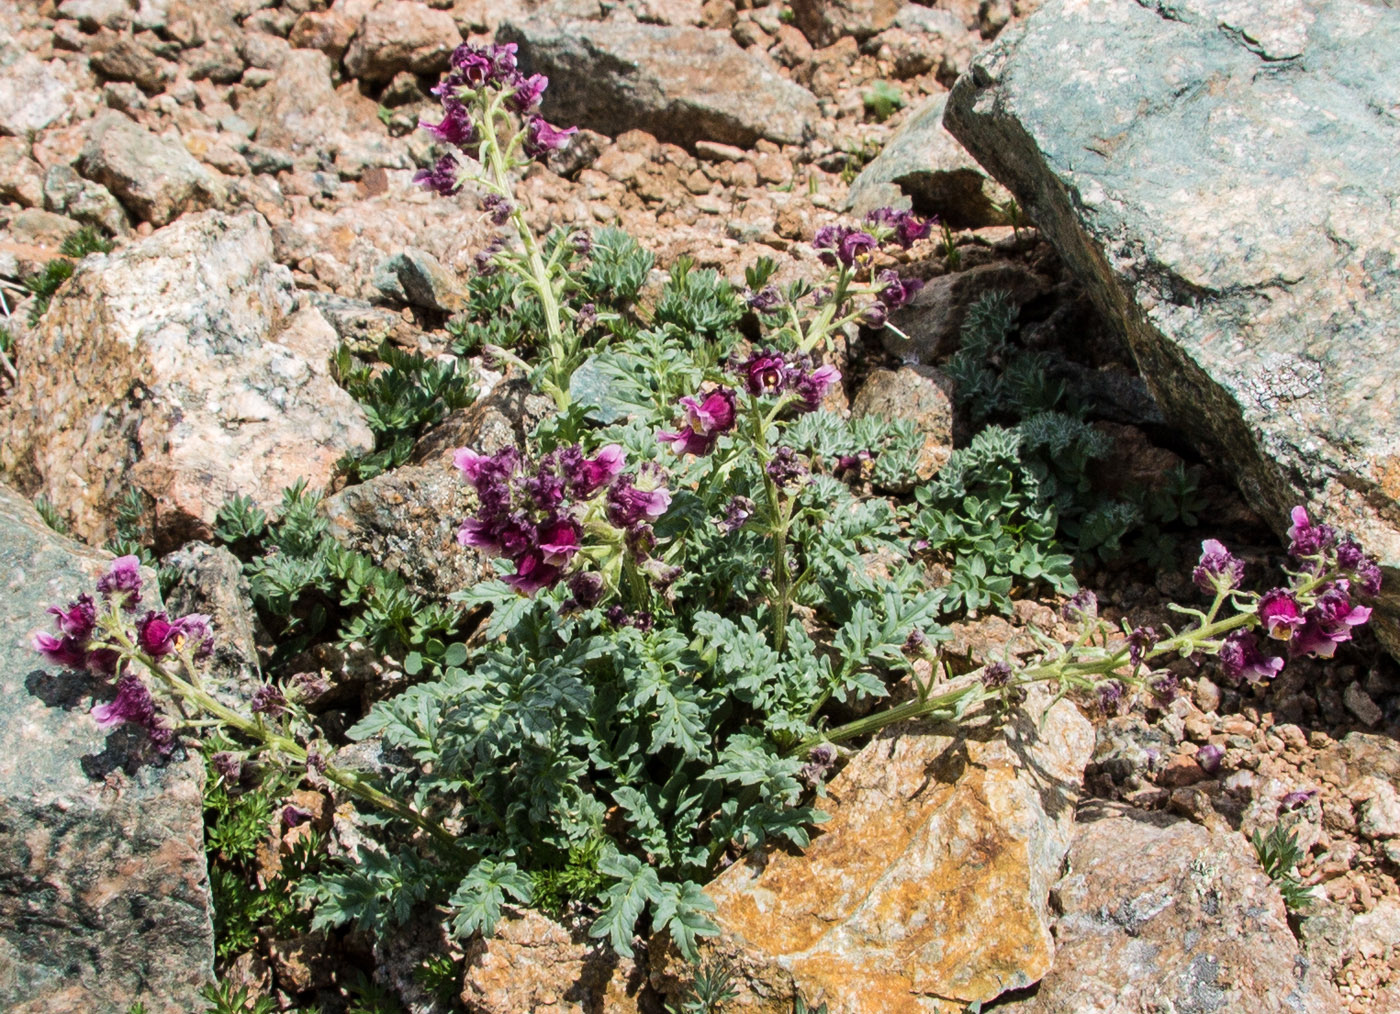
(894, 293)
(1217, 569)
(704, 422)
(533, 514)
(475, 69)
(838, 244)
(785, 468)
(904, 227)
(78, 643)
(1283, 613)
(820, 761)
(736, 514)
(771, 373)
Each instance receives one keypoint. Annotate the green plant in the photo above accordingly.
(46, 282)
(50, 514)
(223, 998)
(368, 997)
(882, 100)
(308, 587)
(1280, 854)
(949, 245)
(441, 977)
(710, 988)
(237, 824)
(399, 401)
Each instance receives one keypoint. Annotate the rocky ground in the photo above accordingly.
(252, 162)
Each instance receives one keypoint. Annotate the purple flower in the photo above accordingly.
(765, 299)
(156, 635)
(856, 246)
(532, 573)
(1209, 758)
(77, 620)
(811, 387)
(473, 65)
(1297, 798)
(1140, 641)
(497, 208)
(196, 628)
(1165, 688)
(1279, 614)
(582, 242)
(875, 316)
(765, 373)
(541, 138)
(455, 127)
(135, 705)
(68, 651)
(897, 291)
(295, 816)
(228, 765)
(591, 474)
(587, 589)
(1083, 605)
(122, 583)
(907, 226)
(559, 542)
(736, 513)
(526, 97)
(1240, 658)
(442, 178)
(785, 469)
(1328, 623)
(629, 506)
(705, 421)
(996, 675)
(1364, 569)
(269, 701)
(309, 687)
(1217, 568)
(1308, 539)
(1111, 694)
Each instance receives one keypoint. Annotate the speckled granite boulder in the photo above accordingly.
(103, 889)
(179, 366)
(680, 84)
(1222, 176)
(1158, 913)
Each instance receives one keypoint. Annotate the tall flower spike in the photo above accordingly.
(122, 583)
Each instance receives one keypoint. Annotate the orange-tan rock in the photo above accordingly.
(927, 889)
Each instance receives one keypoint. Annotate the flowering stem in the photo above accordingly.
(558, 373)
(271, 740)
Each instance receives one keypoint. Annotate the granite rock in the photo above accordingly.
(1158, 913)
(926, 165)
(184, 391)
(154, 177)
(104, 897)
(1222, 179)
(928, 889)
(680, 84)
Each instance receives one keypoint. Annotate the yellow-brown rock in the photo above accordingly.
(927, 889)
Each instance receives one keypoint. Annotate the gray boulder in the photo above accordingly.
(154, 177)
(1223, 180)
(104, 895)
(1158, 913)
(679, 84)
(924, 167)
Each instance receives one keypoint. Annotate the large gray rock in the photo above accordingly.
(926, 167)
(1223, 179)
(154, 177)
(177, 367)
(33, 94)
(1163, 914)
(679, 84)
(103, 889)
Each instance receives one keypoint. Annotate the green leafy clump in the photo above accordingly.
(308, 588)
(46, 282)
(710, 988)
(50, 514)
(402, 395)
(238, 823)
(882, 100)
(1279, 853)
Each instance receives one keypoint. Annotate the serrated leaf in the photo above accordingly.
(479, 896)
(634, 885)
(682, 910)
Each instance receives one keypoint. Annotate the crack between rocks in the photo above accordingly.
(1238, 36)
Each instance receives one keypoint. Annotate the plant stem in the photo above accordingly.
(539, 279)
